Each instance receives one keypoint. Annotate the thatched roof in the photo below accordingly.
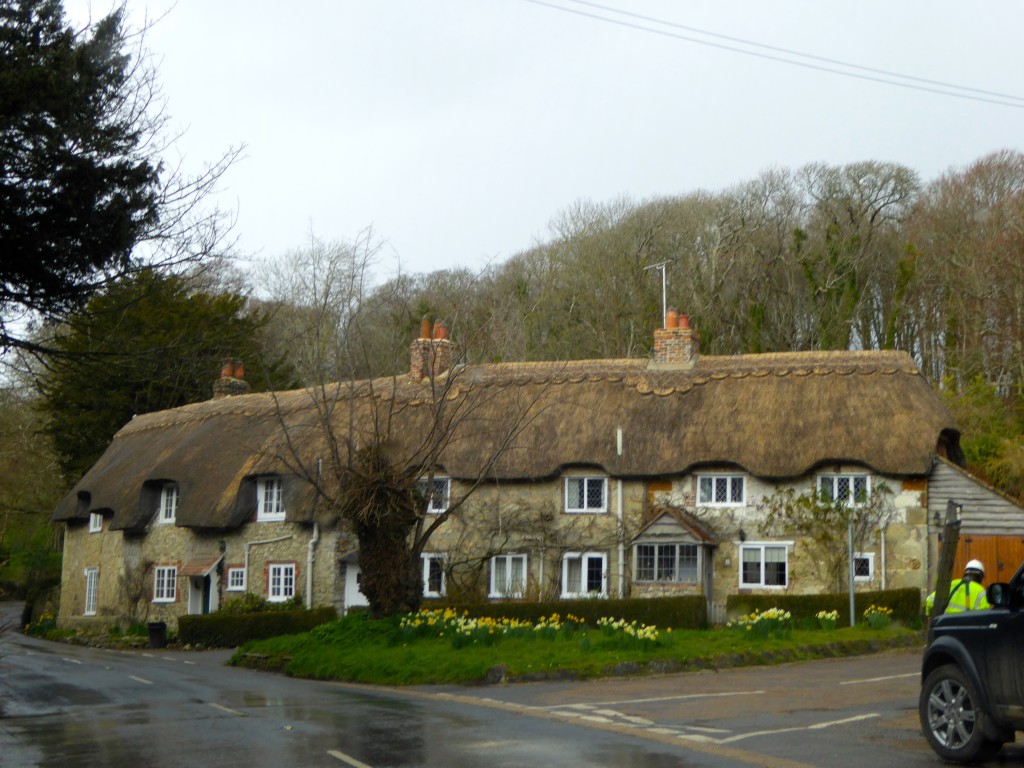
(774, 416)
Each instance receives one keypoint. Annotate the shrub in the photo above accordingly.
(687, 612)
(228, 629)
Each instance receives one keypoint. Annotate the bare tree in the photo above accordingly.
(370, 448)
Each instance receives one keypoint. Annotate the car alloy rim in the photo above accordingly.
(951, 714)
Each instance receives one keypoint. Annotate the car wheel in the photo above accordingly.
(951, 719)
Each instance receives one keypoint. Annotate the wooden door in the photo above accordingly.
(1001, 555)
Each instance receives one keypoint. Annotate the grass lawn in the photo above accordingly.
(433, 648)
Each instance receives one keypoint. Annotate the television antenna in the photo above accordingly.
(664, 308)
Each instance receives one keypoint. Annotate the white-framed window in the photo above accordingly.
(236, 580)
(168, 502)
(863, 566)
(667, 562)
(165, 584)
(95, 522)
(508, 576)
(586, 494)
(764, 564)
(851, 490)
(92, 589)
(437, 501)
(584, 574)
(280, 582)
(721, 490)
(269, 499)
(434, 581)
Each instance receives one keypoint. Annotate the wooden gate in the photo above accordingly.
(1001, 555)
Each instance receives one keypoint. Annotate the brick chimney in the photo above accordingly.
(431, 354)
(676, 346)
(232, 380)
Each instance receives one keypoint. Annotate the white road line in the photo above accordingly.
(879, 679)
(346, 759)
(189, 662)
(141, 680)
(595, 704)
(229, 710)
(70, 661)
(816, 726)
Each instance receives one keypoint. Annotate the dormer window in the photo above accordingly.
(847, 490)
(586, 494)
(168, 502)
(437, 500)
(269, 500)
(95, 522)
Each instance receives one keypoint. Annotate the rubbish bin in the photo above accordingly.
(157, 634)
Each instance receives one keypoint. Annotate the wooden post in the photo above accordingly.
(947, 556)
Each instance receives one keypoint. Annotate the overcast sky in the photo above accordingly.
(458, 129)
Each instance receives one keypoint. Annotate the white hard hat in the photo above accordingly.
(975, 565)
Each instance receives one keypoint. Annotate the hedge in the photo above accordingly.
(905, 604)
(689, 612)
(230, 630)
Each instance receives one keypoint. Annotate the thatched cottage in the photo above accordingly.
(598, 477)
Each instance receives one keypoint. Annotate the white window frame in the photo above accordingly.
(509, 588)
(586, 480)
(281, 579)
(870, 558)
(437, 503)
(832, 480)
(427, 559)
(95, 522)
(168, 503)
(165, 583)
(762, 547)
(730, 480)
(269, 499)
(676, 559)
(92, 589)
(578, 590)
(230, 585)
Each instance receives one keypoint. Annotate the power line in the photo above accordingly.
(914, 83)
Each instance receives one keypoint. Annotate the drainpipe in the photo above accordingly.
(883, 559)
(310, 558)
(622, 544)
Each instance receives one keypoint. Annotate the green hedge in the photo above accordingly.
(230, 630)
(689, 612)
(905, 604)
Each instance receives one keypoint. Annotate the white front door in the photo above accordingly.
(354, 598)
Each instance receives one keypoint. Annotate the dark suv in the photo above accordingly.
(972, 692)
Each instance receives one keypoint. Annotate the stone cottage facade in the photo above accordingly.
(600, 478)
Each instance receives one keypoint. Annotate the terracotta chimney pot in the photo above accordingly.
(425, 328)
(684, 322)
(672, 318)
(239, 372)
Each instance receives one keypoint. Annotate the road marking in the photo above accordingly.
(189, 662)
(229, 710)
(141, 680)
(682, 697)
(70, 661)
(879, 679)
(816, 726)
(346, 759)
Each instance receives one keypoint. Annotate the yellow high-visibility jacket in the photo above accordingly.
(964, 595)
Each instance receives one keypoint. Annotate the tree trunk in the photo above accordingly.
(391, 579)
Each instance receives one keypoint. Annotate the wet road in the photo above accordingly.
(68, 706)
(64, 705)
